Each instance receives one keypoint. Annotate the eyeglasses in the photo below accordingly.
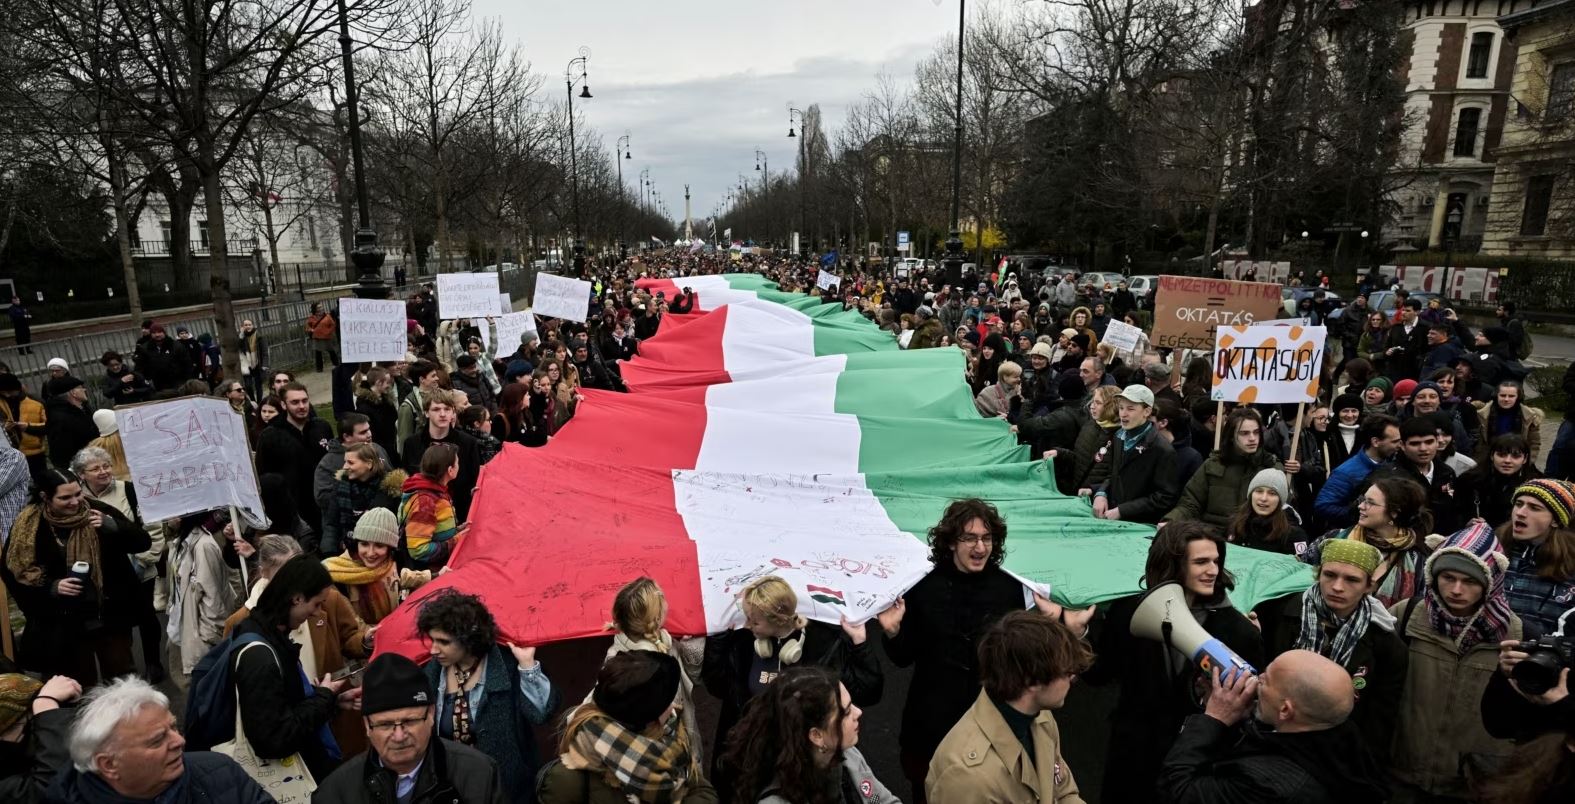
(392, 726)
(1367, 503)
(971, 539)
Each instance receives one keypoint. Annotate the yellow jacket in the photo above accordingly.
(981, 761)
(32, 412)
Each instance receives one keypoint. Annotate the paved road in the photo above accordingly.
(1552, 350)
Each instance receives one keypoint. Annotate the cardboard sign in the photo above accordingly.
(1267, 363)
(189, 455)
(510, 327)
(467, 295)
(1121, 336)
(372, 330)
(827, 280)
(562, 297)
(1187, 310)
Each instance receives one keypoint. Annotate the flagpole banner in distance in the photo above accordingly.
(772, 434)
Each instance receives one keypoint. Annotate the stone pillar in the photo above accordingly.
(1435, 229)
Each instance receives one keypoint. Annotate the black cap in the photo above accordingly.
(636, 687)
(465, 361)
(394, 682)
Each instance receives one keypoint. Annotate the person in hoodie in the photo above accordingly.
(1453, 631)
(992, 353)
(426, 512)
(1339, 619)
(1214, 494)
(122, 385)
(1285, 736)
(1340, 439)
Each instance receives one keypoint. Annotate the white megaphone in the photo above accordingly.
(1163, 616)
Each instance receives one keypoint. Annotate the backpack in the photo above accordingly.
(210, 700)
(1523, 349)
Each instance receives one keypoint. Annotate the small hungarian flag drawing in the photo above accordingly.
(821, 594)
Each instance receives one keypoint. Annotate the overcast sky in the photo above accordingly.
(700, 84)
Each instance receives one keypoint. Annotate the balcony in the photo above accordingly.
(198, 247)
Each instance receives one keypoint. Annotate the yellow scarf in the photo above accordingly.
(368, 587)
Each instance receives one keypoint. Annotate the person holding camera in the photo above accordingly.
(1541, 549)
(1453, 630)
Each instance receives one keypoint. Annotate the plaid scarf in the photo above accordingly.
(1314, 636)
(652, 770)
(1489, 623)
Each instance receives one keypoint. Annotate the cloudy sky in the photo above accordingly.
(700, 84)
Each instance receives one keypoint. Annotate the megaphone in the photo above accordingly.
(1163, 616)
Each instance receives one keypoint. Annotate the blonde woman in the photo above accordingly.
(639, 619)
(740, 664)
(1095, 435)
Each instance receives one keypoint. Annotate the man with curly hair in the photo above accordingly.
(936, 627)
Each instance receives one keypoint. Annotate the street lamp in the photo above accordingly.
(1451, 234)
(803, 166)
(622, 146)
(763, 165)
(366, 257)
(569, 80)
(954, 255)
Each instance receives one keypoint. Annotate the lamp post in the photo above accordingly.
(1451, 235)
(645, 181)
(569, 80)
(954, 245)
(622, 146)
(803, 170)
(763, 165)
(366, 257)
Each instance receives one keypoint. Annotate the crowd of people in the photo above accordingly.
(1420, 663)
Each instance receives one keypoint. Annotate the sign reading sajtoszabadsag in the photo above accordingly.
(1188, 310)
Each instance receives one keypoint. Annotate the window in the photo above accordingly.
(202, 234)
(1481, 52)
(1561, 91)
(1539, 196)
(166, 232)
(1466, 132)
(134, 236)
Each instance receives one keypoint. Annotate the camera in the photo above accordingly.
(1545, 658)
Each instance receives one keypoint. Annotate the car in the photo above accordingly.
(1384, 301)
(1142, 286)
(1291, 297)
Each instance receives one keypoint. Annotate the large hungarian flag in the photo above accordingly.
(766, 437)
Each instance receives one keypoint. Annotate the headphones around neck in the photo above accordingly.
(792, 650)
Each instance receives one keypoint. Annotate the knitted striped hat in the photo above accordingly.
(1557, 495)
(1474, 551)
(1347, 551)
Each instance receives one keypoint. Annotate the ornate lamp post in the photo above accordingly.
(803, 170)
(366, 256)
(569, 80)
(622, 147)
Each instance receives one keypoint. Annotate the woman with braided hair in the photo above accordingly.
(78, 627)
(796, 745)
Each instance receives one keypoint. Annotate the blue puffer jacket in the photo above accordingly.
(209, 779)
(1339, 492)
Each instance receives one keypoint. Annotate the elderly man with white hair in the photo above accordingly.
(125, 747)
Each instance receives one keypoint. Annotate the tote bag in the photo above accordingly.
(287, 779)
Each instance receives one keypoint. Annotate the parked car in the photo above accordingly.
(1142, 286)
(1101, 278)
(1384, 301)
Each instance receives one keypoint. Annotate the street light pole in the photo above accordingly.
(954, 255)
(803, 170)
(620, 153)
(366, 257)
(1451, 234)
(765, 179)
(569, 80)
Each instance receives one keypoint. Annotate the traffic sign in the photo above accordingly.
(902, 238)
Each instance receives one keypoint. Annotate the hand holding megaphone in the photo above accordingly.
(1163, 616)
(1231, 698)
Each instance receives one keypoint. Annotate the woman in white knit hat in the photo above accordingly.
(1265, 520)
(368, 575)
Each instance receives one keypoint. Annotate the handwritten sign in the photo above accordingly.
(511, 327)
(562, 297)
(1187, 310)
(1121, 336)
(827, 280)
(505, 304)
(189, 455)
(1267, 363)
(372, 330)
(467, 295)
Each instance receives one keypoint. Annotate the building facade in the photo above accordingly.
(1458, 96)
(1533, 191)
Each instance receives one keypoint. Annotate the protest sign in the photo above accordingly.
(467, 295)
(827, 280)
(1188, 309)
(189, 455)
(1121, 336)
(505, 304)
(561, 297)
(510, 327)
(1267, 363)
(372, 330)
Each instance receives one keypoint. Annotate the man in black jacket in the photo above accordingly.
(1561, 460)
(936, 627)
(292, 445)
(162, 359)
(1134, 478)
(1418, 460)
(441, 415)
(69, 421)
(1297, 748)
(1406, 344)
(407, 762)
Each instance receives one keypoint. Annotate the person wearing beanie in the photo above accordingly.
(33, 734)
(367, 574)
(1214, 495)
(1453, 634)
(629, 743)
(164, 360)
(1338, 618)
(1402, 394)
(1541, 549)
(406, 760)
(1347, 411)
(69, 420)
(1375, 397)
(109, 441)
(1264, 520)
(1428, 399)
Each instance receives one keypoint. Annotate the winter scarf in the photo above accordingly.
(368, 586)
(652, 770)
(81, 543)
(1315, 637)
(1400, 575)
(1473, 548)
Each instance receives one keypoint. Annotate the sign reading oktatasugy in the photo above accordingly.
(1187, 310)
(1267, 363)
(189, 455)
